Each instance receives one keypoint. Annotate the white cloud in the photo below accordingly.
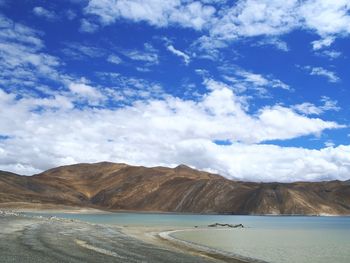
(326, 17)
(308, 108)
(179, 53)
(268, 162)
(243, 80)
(320, 71)
(148, 55)
(155, 12)
(169, 131)
(114, 59)
(245, 18)
(329, 144)
(42, 12)
(325, 42)
(331, 54)
(16, 32)
(75, 50)
(279, 117)
(275, 42)
(22, 60)
(83, 122)
(193, 15)
(143, 56)
(248, 18)
(86, 92)
(88, 26)
(255, 18)
(311, 109)
(329, 104)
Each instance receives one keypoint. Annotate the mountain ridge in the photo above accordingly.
(118, 186)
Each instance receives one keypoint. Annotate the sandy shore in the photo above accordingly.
(39, 239)
(162, 236)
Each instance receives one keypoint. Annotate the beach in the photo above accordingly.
(72, 234)
(162, 236)
(51, 239)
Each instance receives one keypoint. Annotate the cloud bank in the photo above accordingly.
(55, 131)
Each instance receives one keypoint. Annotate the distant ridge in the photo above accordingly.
(113, 186)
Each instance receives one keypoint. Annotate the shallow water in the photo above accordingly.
(268, 238)
(282, 239)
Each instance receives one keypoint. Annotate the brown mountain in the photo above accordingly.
(113, 186)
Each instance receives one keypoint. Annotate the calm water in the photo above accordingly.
(267, 238)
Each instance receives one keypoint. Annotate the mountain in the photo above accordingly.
(112, 186)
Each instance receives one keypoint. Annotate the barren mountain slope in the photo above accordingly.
(182, 189)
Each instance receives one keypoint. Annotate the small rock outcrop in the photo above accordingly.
(227, 225)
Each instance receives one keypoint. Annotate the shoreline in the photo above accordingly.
(47, 207)
(158, 236)
(206, 250)
(161, 236)
(16, 223)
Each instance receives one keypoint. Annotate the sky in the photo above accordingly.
(255, 90)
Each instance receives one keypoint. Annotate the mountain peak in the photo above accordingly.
(183, 166)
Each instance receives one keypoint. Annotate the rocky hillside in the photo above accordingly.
(113, 186)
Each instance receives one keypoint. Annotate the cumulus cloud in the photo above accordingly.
(269, 162)
(327, 18)
(169, 131)
(86, 92)
(186, 58)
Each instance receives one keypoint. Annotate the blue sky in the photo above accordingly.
(253, 90)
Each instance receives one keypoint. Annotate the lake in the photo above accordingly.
(266, 238)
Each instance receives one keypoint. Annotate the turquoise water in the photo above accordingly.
(266, 238)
